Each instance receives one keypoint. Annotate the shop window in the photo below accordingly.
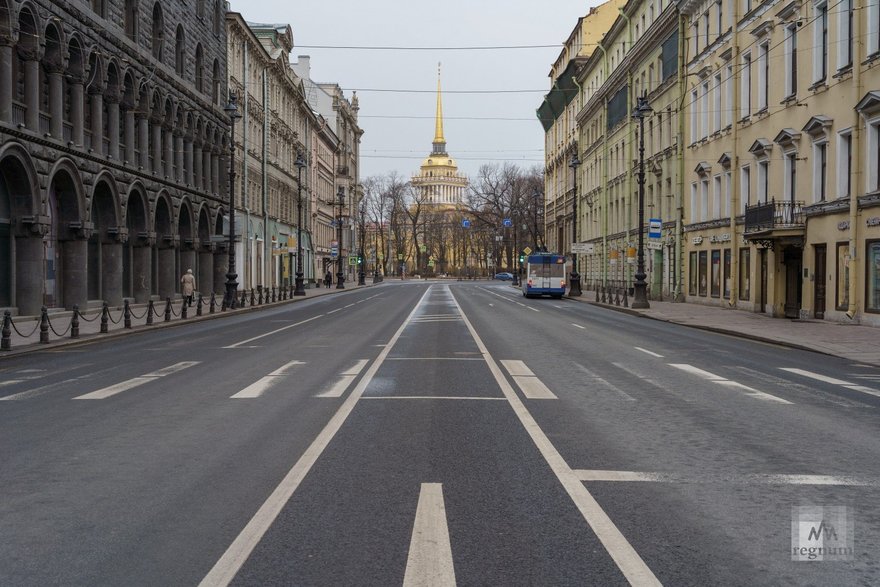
(703, 269)
(726, 277)
(745, 291)
(692, 274)
(716, 273)
(843, 261)
(872, 278)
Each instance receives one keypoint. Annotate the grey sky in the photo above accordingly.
(400, 144)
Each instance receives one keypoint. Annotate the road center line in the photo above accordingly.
(227, 567)
(625, 556)
(282, 329)
(430, 552)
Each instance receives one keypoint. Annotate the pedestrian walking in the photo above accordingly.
(328, 279)
(188, 283)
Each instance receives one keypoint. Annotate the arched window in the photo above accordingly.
(158, 38)
(131, 19)
(200, 68)
(218, 17)
(180, 51)
(215, 83)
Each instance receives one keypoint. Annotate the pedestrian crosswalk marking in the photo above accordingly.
(260, 386)
(137, 381)
(833, 381)
(727, 383)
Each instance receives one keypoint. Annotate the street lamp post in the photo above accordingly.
(536, 195)
(640, 287)
(229, 299)
(340, 276)
(362, 236)
(574, 278)
(299, 289)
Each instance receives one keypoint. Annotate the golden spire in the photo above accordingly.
(439, 141)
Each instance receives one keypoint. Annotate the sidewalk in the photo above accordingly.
(850, 341)
(90, 321)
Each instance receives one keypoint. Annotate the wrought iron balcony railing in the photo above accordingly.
(774, 215)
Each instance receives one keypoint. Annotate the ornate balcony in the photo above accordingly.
(775, 221)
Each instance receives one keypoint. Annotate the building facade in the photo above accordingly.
(112, 150)
(782, 135)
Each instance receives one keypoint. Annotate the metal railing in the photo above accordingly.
(774, 215)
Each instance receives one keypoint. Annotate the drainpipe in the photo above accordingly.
(856, 142)
(627, 270)
(735, 202)
(267, 253)
(245, 124)
(578, 141)
(603, 225)
(678, 266)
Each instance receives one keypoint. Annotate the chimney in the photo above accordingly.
(304, 65)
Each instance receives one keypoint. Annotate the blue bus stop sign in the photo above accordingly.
(466, 223)
(507, 223)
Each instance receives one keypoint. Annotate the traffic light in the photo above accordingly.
(522, 258)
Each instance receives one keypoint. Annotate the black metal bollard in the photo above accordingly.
(253, 297)
(6, 335)
(260, 297)
(150, 310)
(44, 325)
(597, 293)
(199, 306)
(168, 309)
(126, 314)
(625, 298)
(213, 304)
(74, 322)
(617, 296)
(183, 310)
(105, 318)
(603, 295)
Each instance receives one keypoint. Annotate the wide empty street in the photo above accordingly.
(433, 433)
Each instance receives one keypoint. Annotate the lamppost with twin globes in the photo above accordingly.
(574, 278)
(640, 287)
(340, 276)
(231, 110)
(299, 288)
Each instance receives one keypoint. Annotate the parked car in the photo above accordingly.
(504, 276)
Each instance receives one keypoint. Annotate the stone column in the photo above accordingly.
(188, 178)
(111, 271)
(56, 103)
(168, 135)
(77, 105)
(32, 92)
(178, 155)
(206, 274)
(74, 263)
(96, 100)
(130, 135)
(215, 171)
(158, 169)
(6, 57)
(113, 125)
(198, 159)
(167, 279)
(144, 140)
(206, 168)
(141, 272)
(221, 266)
(29, 274)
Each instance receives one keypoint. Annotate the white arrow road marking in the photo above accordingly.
(833, 381)
(727, 383)
(137, 381)
(430, 553)
(528, 383)
(347, 378)
(257, 388)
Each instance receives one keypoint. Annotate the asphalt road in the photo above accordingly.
(436, 434)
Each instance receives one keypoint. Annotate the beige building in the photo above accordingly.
(782, 157)
(557, 115)
(638, 57)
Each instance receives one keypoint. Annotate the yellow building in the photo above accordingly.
(782, 157)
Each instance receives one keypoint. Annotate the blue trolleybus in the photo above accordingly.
(544, 276)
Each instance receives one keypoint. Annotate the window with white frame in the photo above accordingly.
(704, 110)
(873, 154)
(763, 180)
(820, 42)
(745, 186)
(694, 214)
(791, 60)
(820, 170)
(728, 95)
(726, 195)
(873, 33)
(844, 163)
(763, 75)
(717, 196)
(845, 33)
(747, 6)
(695, 102)
(704, 199)
(706, 27)
(719, 16)
(696, 36)
(716, 104)
(745, 101)
(790, 175)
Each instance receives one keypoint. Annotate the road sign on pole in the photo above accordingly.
(654, 227)
(527, 251)
(582, 248)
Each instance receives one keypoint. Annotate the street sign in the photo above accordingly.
(507, 223)
(654, 227)
(582, 248)
(400, 257)
(352, 260)
(527, 251)
(430, 263)
(423, 248)
(466, 223)
(499, 238)
(654, 246)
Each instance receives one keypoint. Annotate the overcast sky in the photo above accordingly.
(400, 144)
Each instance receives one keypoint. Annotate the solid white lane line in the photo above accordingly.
(727, 383)
(225, 569)
(647, 352)
(533, 309)
(334, 311)
(833, 381)
(282, 329)
(727, 478)
(348, 306)
(12, 382)
(578, 326)
(698, 372)
(625, 556)
(137, 381)
(517, 368)
(259, 387)
(453, 397)
(429, 563)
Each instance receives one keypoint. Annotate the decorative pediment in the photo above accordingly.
(725, 160)
(817, 126)
(726, 54)
(761, 147)
(790, 11)
(870, 103)
(787, 137)
(763, 29)
(703, 168)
